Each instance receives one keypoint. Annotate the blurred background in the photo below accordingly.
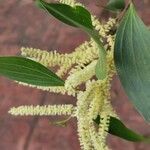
(23, 24)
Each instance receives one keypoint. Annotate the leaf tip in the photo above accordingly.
(39, 4)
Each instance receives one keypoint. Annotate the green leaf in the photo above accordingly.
(28, 71)
(132, 60)
(78, 17)
(115, 5)
(75, 16)
(117, 128)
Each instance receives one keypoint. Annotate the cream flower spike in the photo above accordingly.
(48, 59)
(80, 76)
(46, 110)
(70, 2)
(103, 29)
(58, 89)
(83, 54)
(98, 26)
(96, 94)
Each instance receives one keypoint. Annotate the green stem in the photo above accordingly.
(101, 69)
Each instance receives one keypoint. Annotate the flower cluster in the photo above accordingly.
(78, 68)
(42, 110)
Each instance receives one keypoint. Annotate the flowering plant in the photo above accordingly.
(92, 65)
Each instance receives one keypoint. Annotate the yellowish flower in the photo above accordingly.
(42, 110)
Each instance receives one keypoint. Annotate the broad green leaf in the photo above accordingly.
(132, 60)
(78, 17)
(115, 5)
(117, 128)
(75, 16)
(28, 71)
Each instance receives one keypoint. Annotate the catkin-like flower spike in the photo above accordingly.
(84, 134)
(88, 135)
(48, 59)
(46, 110)
(80, 76)
(97, 100)
(59, 89)
(85, 53)
(105, 121)
(83, 102)
(95, 107)
(103, 128)
(98, 143)
(98, 26)
(70, 2)
(103, 29)
(105, 112)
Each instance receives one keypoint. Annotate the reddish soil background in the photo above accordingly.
(22, 24)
